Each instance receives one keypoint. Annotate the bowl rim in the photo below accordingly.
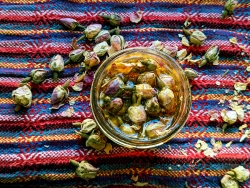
(148, 144)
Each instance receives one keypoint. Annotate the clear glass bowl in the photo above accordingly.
(183, 104)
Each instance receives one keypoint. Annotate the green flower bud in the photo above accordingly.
(117, 42)
(152, 106)
(136, 112)
(147, 78)
(92, 30)
(165, 80)
(56, 65)
(197, 37)
(104, 35)
(59, 95)
(212, 53)
(229, 7)
(157, 45)
(38, 75)
(101, 48)
(76, 55)
(71, 23)
(113, 86)
(85, 170)
(190, 73)
(115, 105)
(114, 19)
(241, 174)
(87, 126)
(228, 182)
(149, 63)
(91, 59)
(97, 141)
(22, 97)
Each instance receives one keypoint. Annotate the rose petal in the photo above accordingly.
(89, 77)
(78, 86)
(57, 106)
(74, 43)
(135, 17)
(79, 77)
(68, 113)
(108, 148)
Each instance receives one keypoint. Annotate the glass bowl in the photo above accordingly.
(183, 95)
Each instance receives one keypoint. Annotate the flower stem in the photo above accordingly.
(55, 76)
(77, 124)
(81, 27)
(81, 38)
(73, 162)
(105, 16)
(66, 84)
(17, 108)
(67, 62)
(26, 80)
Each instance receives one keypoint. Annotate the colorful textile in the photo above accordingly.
(36, 144)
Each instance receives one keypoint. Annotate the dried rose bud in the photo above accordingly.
(37, 76)
(154, 130)
(165, 80)
(197, 37)
(114, 19)
(22, 97)
(85, 170)
(136, 112)
(75, 56)
(135, 17)
(166, 98)
(97, 141)
(117, 42)
(190, 73)
(91, 59)
(229, 116)
(170, 50)
(104, 35)
(152, 106)
(149, 63)
(145, 91)
(212, 53)
(56, 65)
(71, 23)
(115, 105)
(87, 126)
(157, 45)
(147, 78)
(229, 7)
(124, 127)
(92, 30)
(241, 174)
(101, 48)
(59, 95)
(113, 86)
(228, 182)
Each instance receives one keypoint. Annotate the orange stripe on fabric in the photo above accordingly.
(24, 1)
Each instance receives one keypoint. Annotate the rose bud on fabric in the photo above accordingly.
(154, 130)
(229, 116)
(37, 76)
(135, 17)
(136, 112)
(22, 97)
(228, 182)
(152, 106)
(165, 80)
(59, 95)
(71, 23)
(114, 19)
(75, 56)
(145, 91)
(101, 48)
(104, 35)
(115, 105)
(56, 65)
(113, 86)
(157, 45)
(190, 73)
(147, 78)
(84, 170)
(124, 127)
(197, 37)
(92, 30)
(229, 7)
(117, 42)
(170, 50)
(87, 126)
(212, 55)
(96, 140)
(91, 60)
(240, 173)
(166, 98)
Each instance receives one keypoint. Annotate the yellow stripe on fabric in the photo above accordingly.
(34, 32)
(24, 1)
(67, 137)
(219, 96)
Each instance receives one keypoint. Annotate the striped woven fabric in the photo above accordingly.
(36, 144)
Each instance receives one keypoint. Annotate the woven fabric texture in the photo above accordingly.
(36, 144)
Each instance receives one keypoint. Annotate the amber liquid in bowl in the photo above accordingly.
(173, 118)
